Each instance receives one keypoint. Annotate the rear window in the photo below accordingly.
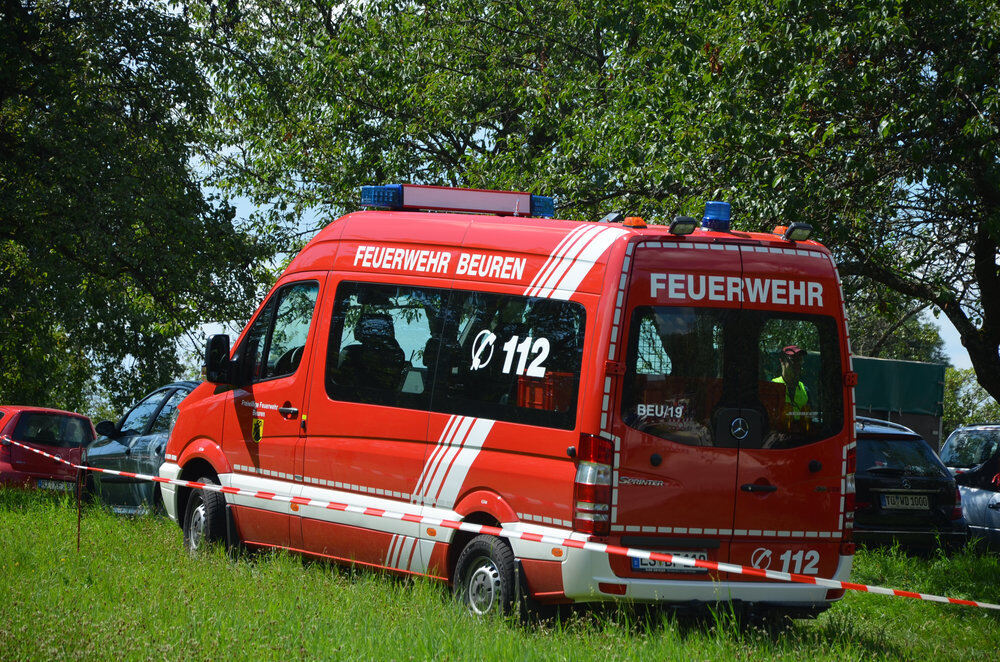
(52, 430)
(968, 448)
(686, 365)
(900, 456)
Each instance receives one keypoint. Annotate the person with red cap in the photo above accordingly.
(796, 394)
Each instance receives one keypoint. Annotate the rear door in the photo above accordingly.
(677, 464)
(789, 505)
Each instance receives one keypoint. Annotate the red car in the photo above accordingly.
(60, 433)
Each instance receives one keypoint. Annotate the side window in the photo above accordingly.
(255, 342)
(135, 421)
(277, 338)
(383, 344)
(291, 326)
(165, 419)
(510, 358)
(76, 432)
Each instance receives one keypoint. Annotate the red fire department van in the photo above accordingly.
(681, 389)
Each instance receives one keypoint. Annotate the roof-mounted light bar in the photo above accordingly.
(444, 198)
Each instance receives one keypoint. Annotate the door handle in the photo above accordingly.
(288, 412)
(754, 487)
(994, 506)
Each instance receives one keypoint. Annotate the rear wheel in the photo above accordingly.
(204, 518)
(484, 576)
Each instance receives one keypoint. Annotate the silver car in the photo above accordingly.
(972, 454)
(135, 444)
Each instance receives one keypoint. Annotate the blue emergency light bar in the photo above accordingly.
(443, 198)
(716, 216)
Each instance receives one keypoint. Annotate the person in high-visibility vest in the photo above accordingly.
(796, 394)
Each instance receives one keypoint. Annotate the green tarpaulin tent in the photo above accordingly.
(909, 387)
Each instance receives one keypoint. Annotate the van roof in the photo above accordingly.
(526, 235)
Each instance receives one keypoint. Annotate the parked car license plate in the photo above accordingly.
(58, 485)
(647, 565)
(906, 501)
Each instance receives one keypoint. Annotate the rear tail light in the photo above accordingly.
(850, 504)
(592, 486)
(956, 510)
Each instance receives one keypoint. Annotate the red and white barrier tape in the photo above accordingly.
(533, 537)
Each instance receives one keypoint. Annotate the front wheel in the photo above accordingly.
(484, 576)
(204, 518)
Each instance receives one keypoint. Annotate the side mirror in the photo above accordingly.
(217, 363)
(107, 429)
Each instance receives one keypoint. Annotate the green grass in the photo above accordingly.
(131, 592)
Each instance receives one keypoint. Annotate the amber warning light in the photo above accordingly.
(443, 198)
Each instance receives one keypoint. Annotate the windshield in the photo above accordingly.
(687, 364)
(904, 456)
(969, 448)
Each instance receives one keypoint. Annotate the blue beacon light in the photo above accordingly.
(716, 216)
(388, 197)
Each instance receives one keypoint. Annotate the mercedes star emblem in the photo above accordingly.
(739, 428)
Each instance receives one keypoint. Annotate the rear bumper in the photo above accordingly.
(585, 572)
(924, 539)
(11, 477)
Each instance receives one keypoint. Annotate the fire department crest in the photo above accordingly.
(257, 430)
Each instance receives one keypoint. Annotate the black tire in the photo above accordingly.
(484, 576)
(204, 518)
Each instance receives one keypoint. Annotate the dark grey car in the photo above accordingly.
(136, 444)
(972, 453)
(903, 493)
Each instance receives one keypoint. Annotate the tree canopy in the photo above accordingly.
(109, 249)
(886, 324)
(965, 402)
(875, 122)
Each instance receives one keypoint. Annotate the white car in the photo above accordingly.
(972, 454)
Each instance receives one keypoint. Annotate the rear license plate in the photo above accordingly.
(647, 565)
(58, 485)
(906, 501)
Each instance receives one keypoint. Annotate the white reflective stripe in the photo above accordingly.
(442, 445)
(405, 553)
(557, 257)
(455, 476)
(553, 256)
(560, 266)
(392, 549)
(583, 264)
(450, 449)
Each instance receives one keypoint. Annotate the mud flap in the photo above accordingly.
(233, 543)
